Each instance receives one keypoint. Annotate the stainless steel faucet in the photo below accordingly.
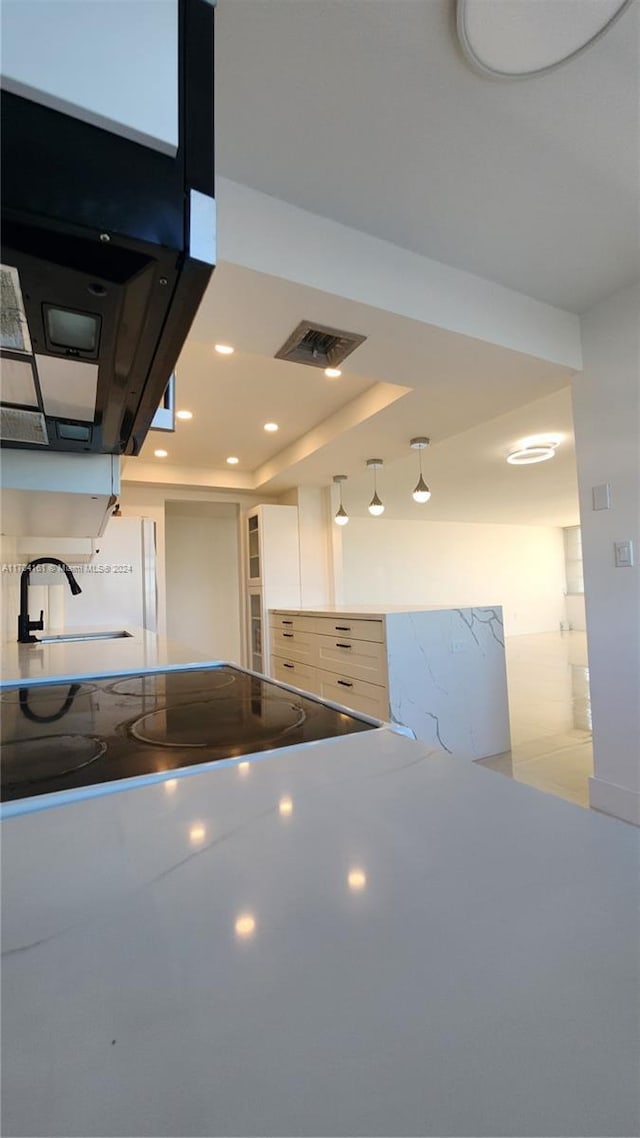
(26, 626)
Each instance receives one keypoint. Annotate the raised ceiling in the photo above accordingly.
(474, 399)
(470, 480)
(364, 111)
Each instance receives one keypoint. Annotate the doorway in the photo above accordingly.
(203, 577)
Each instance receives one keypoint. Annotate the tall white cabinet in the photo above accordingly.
(272, 561)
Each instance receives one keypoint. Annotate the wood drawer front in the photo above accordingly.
(301, 646)
(292, 622)
(352, 629)
(357, 659)
(368, 698)
(292, 672)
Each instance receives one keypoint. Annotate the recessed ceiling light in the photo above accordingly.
(357, 880)
(232, 460)
(245, 925)
(224, 349)
(271, 427)
(332, 372)
(161, 453)
(184, 414)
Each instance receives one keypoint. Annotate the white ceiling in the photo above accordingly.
(473, 399)
(470, 480)
(364, 111)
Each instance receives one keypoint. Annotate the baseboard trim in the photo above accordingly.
(619, 801)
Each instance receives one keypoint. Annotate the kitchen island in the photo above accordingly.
(354, 936)
(357, 938)
(438, 670)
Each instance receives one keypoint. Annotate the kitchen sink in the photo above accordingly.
(69, 637)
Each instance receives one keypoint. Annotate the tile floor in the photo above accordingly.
(550, 712)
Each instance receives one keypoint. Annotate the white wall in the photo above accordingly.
(40, 595)
(202, 575)
(576, 614)
(10, 588)
(451, 563)
(314, 536)
(149, 501)
(606, 411)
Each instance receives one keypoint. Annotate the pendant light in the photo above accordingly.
(422, 492)
(375, 505)
(342, 516)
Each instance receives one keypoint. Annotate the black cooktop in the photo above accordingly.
(58, 737)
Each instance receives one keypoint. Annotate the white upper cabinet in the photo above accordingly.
(57, 495)
(109, 63)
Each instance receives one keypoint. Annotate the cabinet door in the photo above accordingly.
(253, 548)
(256, 652)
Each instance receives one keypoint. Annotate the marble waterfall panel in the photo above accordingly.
(448, 681)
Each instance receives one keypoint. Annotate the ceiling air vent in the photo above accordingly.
(319, 346)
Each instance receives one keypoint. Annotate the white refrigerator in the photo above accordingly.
(118, 581)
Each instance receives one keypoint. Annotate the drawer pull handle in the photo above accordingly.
(342, 627)
(288, 635)
(345, 683)
(339, 645)
(287, 622)
(287, 665)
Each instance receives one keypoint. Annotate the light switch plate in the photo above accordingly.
(623, 554)
(601, 496)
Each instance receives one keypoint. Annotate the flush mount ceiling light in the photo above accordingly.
(342, 516)
(422, 492)
(375, 505)
(184, 415)
(224, 349)
(526, 38)
(538, 448)
(526, 456)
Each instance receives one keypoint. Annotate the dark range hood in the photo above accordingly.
(107, 249)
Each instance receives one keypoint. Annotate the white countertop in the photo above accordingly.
(73, 660)
(356, 937)
(373, 612)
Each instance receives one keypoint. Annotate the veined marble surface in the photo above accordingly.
(448, 680)
(371, 612)
(359, 938)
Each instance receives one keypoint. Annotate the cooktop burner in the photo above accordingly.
(183, 682)
(232, 720)
(43, 757)
(59, 737)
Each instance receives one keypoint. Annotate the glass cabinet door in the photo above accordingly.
(254, 550)
(255, 615)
